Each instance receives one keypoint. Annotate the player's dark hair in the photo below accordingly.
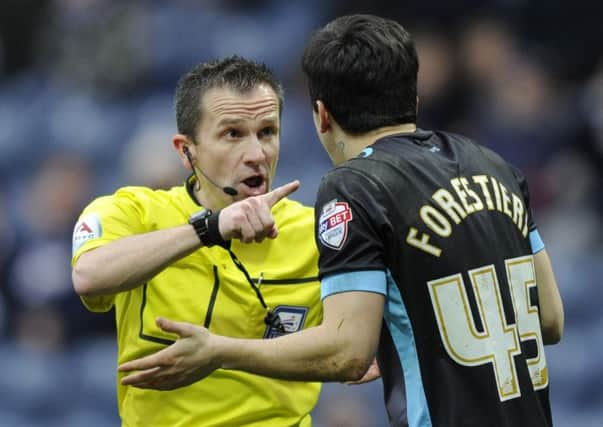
(234, 72)
(364, 68)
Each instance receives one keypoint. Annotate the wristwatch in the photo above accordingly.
(206, 226)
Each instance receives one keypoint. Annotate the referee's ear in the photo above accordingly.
(179, 142)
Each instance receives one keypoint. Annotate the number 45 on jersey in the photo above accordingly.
(500, 341)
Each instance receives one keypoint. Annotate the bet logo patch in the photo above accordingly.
(333, 224)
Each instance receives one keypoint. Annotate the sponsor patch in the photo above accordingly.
(333, 224)
(89, 227)
(292, 318)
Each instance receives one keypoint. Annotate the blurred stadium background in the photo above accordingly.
(86, 106)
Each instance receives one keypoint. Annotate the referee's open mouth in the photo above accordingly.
(255, 185)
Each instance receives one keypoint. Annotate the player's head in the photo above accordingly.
(228, 116)
(364, 70)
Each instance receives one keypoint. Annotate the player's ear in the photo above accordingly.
(324, 119)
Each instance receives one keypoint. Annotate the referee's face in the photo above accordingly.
(238, 142)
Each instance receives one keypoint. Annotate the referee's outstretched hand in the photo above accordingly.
(251, 219)
(186, 361)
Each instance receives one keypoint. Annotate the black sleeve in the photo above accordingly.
(523, 185)
(350, 223)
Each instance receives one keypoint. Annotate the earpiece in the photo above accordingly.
(188, 155)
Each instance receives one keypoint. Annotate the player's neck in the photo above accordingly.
(352, 145)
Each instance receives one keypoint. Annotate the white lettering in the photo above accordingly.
(449, 205)
(436, 222)
(422, 243)
(482, 181)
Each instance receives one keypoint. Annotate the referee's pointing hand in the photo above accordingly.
(251, 219)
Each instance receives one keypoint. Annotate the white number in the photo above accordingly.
(499, 341)
(521, 277)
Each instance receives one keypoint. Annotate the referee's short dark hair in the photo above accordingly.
(234, 72)
(364, 68)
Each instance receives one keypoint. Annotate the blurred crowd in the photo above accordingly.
(86, 106)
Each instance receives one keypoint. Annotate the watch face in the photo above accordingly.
(199, 215)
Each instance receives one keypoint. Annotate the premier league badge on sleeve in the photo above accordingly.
(333, 224)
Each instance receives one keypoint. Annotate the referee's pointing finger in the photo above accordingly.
(278, 193)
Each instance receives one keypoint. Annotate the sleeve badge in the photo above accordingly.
(87, 228)
(333, 224)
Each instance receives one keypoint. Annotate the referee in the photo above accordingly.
(149, 253)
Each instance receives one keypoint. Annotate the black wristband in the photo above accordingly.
(206, 226)
(213, 235)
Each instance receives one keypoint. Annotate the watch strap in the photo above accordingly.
(213, 235)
